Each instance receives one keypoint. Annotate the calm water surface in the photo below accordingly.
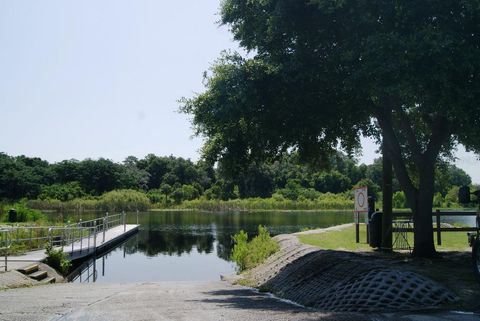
(188, 246)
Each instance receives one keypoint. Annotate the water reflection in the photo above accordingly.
(189, 245)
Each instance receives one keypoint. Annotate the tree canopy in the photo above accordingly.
(322, 73)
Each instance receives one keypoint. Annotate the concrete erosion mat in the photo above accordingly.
(344, 281)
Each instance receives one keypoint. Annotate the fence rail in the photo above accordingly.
(81, 236)
(438, 225)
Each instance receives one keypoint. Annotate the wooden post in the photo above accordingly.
(386, 244)
(439, 233)
(357, 227)
(357, 232)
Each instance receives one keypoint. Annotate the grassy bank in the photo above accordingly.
(344, 239)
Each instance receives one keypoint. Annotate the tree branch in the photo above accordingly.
(406, 127)
(393, 148)
(440, 132)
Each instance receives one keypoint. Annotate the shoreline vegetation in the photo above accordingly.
(173, 183)
(132, 200)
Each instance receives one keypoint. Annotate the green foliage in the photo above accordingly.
(324, 201)
(399, 200)
(451, 198)
(248, 255)
(62, 192)
(437, 200)
(373, 189)
(308, 87)
(24, 213)
(57, 259)
(240, 249)
(124, 200)
(332, 181)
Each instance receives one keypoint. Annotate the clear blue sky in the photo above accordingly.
(96, 79)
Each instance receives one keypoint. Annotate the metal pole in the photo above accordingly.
(94, 269)
(124, 222)
(95, 239)
(439, 233)
(104, 222)
(357, 227)
(137, 217)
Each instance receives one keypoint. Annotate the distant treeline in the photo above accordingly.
(170, 181)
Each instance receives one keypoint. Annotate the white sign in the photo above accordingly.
(361, 199)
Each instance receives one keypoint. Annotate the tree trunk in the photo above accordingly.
(420, 199)
(423, 225)
(422, 211)
(387, 201)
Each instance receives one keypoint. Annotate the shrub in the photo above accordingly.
(24, 213)
(248, 255)
(399, 200)
(124, 200)
(57, 259)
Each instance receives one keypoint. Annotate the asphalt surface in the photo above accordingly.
(185, 301)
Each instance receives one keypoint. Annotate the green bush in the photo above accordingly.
(57, 259)
(124, 200)
(399, 200)
(248, 255)
(24, 213)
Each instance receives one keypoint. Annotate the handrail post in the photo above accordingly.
(95, 239)
(124, 221)
(49, 236)
(104, 222)
(137, 217)
(439, 235)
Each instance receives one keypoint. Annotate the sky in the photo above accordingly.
(89, 79)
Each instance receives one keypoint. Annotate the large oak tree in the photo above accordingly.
(321, 73)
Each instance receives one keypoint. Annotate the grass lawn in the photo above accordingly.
(345, 239)
(452, 268)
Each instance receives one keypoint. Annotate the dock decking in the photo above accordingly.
(79, 249)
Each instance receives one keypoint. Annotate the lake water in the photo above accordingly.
(188, 246)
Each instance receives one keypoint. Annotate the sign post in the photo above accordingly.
(361, 206)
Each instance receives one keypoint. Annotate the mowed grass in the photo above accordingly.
(345, 240)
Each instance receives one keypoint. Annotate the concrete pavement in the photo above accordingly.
(186, 301)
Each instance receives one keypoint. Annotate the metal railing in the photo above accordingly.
(81, 236)
(5, 243)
